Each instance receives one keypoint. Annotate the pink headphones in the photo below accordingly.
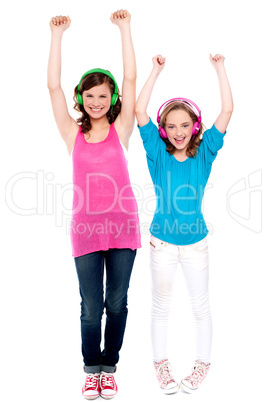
(188, 103)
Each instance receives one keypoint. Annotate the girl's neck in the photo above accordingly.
(99, 124)
(99, 130)
(180, 155)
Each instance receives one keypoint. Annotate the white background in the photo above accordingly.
(40, 328)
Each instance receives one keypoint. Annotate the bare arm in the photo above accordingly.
(145, 94)
(67, 126)
(125, 121)
(227, 106)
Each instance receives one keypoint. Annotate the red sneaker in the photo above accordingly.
(193, 381)
(91, 387)
(166, 381)
(108, 386)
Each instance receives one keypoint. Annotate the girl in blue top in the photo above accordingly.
(180, 156)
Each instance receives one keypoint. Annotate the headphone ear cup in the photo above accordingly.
(195, 128)
(79, 99)
(114, 99)
(162, 132)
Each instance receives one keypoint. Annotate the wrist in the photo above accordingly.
(56, 35)
(155, 72)
(220, 68)
(125, 27)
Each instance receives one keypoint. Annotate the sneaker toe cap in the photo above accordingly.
(171, 388)
(187, 386)
(90, 394)
(108, 392)
(171, 385)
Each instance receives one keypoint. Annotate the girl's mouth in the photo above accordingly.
(179, 140)
(96, 110)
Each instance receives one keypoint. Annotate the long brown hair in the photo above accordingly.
(90, 81)
(195, 141)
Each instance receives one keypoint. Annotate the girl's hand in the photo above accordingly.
(158, 63)
(120, 17)
(224, 117)
(217, 61)
(59, 24)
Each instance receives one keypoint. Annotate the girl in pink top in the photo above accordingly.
(105, 227)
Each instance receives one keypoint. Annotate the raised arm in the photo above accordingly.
(227, 106)
(67, 126)
(125, 121)
(145, 94)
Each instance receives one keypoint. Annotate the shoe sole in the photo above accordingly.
(90, 398)
(187, 389)
(170, 390)
(107, 396)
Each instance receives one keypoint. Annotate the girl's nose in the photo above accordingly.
(95, 102)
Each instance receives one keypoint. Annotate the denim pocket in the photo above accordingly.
(201, 246)
(156, 244)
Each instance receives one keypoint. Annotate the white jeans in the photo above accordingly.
(194, 259)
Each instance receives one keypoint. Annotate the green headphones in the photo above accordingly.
(114, 97)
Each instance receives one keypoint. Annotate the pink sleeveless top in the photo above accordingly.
(104, 212)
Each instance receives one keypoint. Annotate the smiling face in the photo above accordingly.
(96, 100)
(178, 127)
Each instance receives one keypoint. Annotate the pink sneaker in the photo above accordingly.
(108, 386)
(91, 387)
(192, 382)
(165, 379)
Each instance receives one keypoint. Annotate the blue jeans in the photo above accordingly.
(90, 271)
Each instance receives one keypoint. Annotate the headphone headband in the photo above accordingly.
(187, 102)
(195, 109)
(115, 95)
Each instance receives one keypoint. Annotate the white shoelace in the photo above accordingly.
(107, 380)
(198, 374)
(199, 369)
(91, 380)
(164, 372)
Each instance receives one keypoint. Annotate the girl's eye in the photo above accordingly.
(103, 96)
(185, 125)
(170, 127)
(88, 96)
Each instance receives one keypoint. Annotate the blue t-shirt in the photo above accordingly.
(179, 186)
